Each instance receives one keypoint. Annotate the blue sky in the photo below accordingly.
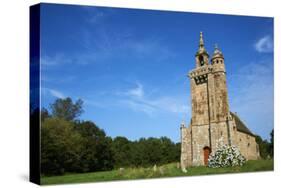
(129, 66)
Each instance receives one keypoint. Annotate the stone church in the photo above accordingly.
(212, 121)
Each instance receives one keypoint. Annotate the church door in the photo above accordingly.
(207, 152)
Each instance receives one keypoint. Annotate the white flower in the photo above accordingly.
(226, 156)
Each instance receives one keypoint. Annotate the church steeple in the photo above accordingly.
(201, 44)
(201, 55)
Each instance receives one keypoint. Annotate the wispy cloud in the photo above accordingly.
(57, 59)
(53, 92)
(136, 92)
(56, 93)
(137, 100)
(251, 95)
(264, 44)
(96, 15)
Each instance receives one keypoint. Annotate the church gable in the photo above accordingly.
(240, 125)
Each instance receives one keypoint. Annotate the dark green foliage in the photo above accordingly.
(44, 114)
(74, 147)
(66, 109)
(265, 147)
(271, 144)
(96, 154)
(122, 151)
(60, 147)
(144, 152)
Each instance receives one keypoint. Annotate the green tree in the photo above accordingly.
(271, 144)
(44, 114)
(66, 109)
(177, 151)
(168, 150)
(263, 147)
(60, 147)
(121, 148)
(96, 151)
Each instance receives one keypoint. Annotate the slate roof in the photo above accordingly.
(240, 125)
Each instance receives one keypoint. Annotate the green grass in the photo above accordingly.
(169, 170)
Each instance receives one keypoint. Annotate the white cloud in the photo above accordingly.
(136, 92)
(56, 93)
(137, 100)
(251, 95)
(53, 92)
(264, 44)
(52, 61)
(138, 106)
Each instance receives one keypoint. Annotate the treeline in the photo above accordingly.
(72, 145)
(266, 147)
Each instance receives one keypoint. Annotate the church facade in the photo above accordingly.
(212, 121)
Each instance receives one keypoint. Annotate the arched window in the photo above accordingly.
(201, 60)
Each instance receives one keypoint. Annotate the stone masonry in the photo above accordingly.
(211, 119)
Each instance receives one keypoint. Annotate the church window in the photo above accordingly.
(201, 60)
(234, 128)
(221, 133)
(248, 144)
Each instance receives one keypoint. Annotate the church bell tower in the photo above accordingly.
(208, 87)
(209, 100)
(211, 121)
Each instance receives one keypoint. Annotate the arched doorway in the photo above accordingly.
(206, 154)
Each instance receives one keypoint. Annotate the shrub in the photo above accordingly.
(225, 156)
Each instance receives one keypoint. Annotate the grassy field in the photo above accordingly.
(169, 170)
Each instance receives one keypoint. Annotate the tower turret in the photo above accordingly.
(218, 60)
(217, 56)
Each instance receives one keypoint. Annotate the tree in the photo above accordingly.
(60, 147)
(96, 154)
(66, 109)
(177, 151)
(44, 114)
(271, 144)
(121, 148)
(263, 147)
(168, 150)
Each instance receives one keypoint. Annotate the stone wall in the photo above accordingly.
(186, 151)
(200, 139)
(199, 103)
(220, 97)
(247, 146)
(219, 133)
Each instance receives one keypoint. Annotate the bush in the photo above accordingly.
(226, 156)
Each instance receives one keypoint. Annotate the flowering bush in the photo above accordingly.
(226, 156)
